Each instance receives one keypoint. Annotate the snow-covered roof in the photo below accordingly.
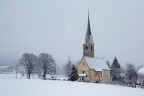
(141, 71)
(82, 75)
(97, 64)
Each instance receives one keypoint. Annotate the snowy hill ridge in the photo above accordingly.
(24, 87)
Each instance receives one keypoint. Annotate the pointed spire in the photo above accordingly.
(88, 38)
(88, 26)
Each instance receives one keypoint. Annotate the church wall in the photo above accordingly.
(106, 75)
(94, 75)
(83, 69)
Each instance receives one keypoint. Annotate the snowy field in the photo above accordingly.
(37, 87)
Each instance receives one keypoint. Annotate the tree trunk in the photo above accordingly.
(28, 76)
(44, 76)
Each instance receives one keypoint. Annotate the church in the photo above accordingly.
(92, 69)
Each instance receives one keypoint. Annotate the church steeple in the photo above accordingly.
(88, 26)
(88, 46)
(88, 38)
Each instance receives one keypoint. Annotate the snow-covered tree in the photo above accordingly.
(115, 70)
(131, 75)
(28, 61)
(67, 67)
(48, 64)
(141, 75)
(73, 75)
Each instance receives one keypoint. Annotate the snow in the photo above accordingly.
(19, 76)
(9, 76)
(24, 87)
(82, 75)
(9, 86)
(141, 71)
(97, 64)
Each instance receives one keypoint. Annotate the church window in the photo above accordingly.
(86, 47)
(91, 48)
(83, 71)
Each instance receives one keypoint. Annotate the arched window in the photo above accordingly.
(83, 71)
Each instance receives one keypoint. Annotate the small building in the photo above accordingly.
(92, 69)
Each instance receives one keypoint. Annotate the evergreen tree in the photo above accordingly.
(115, 70)
(73, 75)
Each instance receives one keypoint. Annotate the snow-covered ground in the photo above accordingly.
(19, 76)
(38, 87)
(14, 76)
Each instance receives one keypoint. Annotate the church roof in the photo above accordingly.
(96, 63)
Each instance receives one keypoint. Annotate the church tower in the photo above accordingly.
(88, 46)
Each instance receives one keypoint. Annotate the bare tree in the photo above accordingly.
(67, 67)
(48, 64)
(28, 61)
(131, 75)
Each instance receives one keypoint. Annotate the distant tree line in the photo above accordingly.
(41, 65)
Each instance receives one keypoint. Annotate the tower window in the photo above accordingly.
(86, 47)
(91, 48)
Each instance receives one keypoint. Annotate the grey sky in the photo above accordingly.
(58, 27)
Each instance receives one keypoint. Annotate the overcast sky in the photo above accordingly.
(58, 27)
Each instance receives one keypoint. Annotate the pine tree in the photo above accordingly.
(73, 75)
(115, 70)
